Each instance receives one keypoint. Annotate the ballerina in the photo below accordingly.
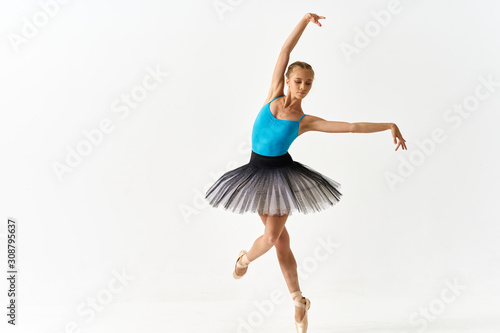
(272, 184)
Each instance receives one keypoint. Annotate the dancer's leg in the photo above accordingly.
(274, 227)
(262, 244)
(287, 261)
(288, 267)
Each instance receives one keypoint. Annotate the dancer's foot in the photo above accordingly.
(302, 304)
(241, 266)
(299, 312)
(242, 261)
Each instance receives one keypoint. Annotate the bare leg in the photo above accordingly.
(275, 234)
(288, 266)
(272, 232)
(263, 243)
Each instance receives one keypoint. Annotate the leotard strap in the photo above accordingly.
(276, 97)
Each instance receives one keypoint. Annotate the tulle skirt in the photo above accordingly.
(273, 186)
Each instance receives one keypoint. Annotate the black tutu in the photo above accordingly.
(273, 186)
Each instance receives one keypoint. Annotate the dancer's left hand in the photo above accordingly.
(396, 135)
(314, 18)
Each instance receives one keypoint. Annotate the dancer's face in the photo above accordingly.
(300, 82)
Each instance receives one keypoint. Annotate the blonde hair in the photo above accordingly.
(298, 64)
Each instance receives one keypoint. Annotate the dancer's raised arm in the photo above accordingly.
(278, 78)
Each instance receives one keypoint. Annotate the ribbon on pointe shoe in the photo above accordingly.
(244, 261)
(297, 295)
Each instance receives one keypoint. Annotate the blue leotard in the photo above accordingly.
(272, 136)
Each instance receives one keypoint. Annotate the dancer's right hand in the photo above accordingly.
(314, 18)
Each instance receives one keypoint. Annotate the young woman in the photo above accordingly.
(274, 185)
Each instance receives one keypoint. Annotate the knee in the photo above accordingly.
(271, 239)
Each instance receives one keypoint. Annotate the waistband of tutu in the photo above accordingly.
(270, 161)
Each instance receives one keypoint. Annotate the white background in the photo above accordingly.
(133, 206)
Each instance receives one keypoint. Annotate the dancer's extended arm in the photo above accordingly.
(278, 78)
(313, 123)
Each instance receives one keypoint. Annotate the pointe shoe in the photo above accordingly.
(304, 303)
(240, 265)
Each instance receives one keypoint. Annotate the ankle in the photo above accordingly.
(297, 295)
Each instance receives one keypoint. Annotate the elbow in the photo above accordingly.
(285, 49)
(353, 128)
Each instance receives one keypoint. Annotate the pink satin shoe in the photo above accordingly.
(240, 265)
(304, 303)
